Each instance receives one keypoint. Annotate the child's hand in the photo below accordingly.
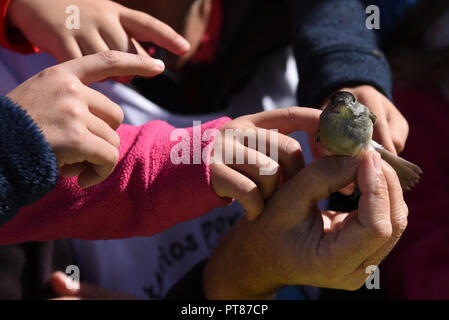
(78, 122)
(252, 182)
(104, 25)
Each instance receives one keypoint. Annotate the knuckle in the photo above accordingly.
(149, 23)
(76, 137)
(72, 112)
(401, 222)
(381, 231)
(292, 147)
(252, 195)
(401, 226)
(291, 112)
(50, 72)
(115, 139)
(71, 88)
(113, 156)
(110, 57)
(118, 114)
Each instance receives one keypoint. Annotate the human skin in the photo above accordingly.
(244, 181)
(294, 243)
(104, 25)
(78, 122)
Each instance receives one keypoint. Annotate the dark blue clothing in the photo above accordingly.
(28, 166)
(334, 49)
(390, 12)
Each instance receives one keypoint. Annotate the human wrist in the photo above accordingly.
(238, 270)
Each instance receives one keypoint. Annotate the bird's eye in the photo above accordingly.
(353, 100)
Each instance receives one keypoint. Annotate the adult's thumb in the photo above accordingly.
(314, 183)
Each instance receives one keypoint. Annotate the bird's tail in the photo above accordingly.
(408, 173)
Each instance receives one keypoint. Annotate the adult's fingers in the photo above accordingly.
(371, 229)
(398, 214)
(312, 184)
(103, 108)
(146, 28)
(227, 182)
(108, 64)
(287, 120)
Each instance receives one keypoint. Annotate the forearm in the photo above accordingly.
(334, 49)
(236, 271)
(145, 194)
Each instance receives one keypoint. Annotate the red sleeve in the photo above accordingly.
(20, 46)
(146, 194)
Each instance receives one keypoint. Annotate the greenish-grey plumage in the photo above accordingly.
(346, 128)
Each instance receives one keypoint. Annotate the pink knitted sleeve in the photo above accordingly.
(146, 194)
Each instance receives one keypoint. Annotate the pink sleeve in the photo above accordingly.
(146, 194)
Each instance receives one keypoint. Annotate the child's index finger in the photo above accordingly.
(288, 120)
(107, 64)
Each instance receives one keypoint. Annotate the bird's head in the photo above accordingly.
(342, 104)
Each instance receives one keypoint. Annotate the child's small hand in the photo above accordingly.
(104, 25)
(254, 179)
(78, 122)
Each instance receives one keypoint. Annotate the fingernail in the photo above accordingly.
(376, 161)
(159, 64)
(183, 44)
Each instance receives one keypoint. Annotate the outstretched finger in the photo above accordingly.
(108, 64)
(287, 120)
(146, 28)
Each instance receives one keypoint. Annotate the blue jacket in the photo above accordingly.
(28, 166)
(334, 49)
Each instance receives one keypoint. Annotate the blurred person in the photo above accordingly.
(418, 48)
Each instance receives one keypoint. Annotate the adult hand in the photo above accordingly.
(255, 176)
(78, 122)
(294, 243)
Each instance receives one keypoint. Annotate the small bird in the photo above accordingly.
(346, 128)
